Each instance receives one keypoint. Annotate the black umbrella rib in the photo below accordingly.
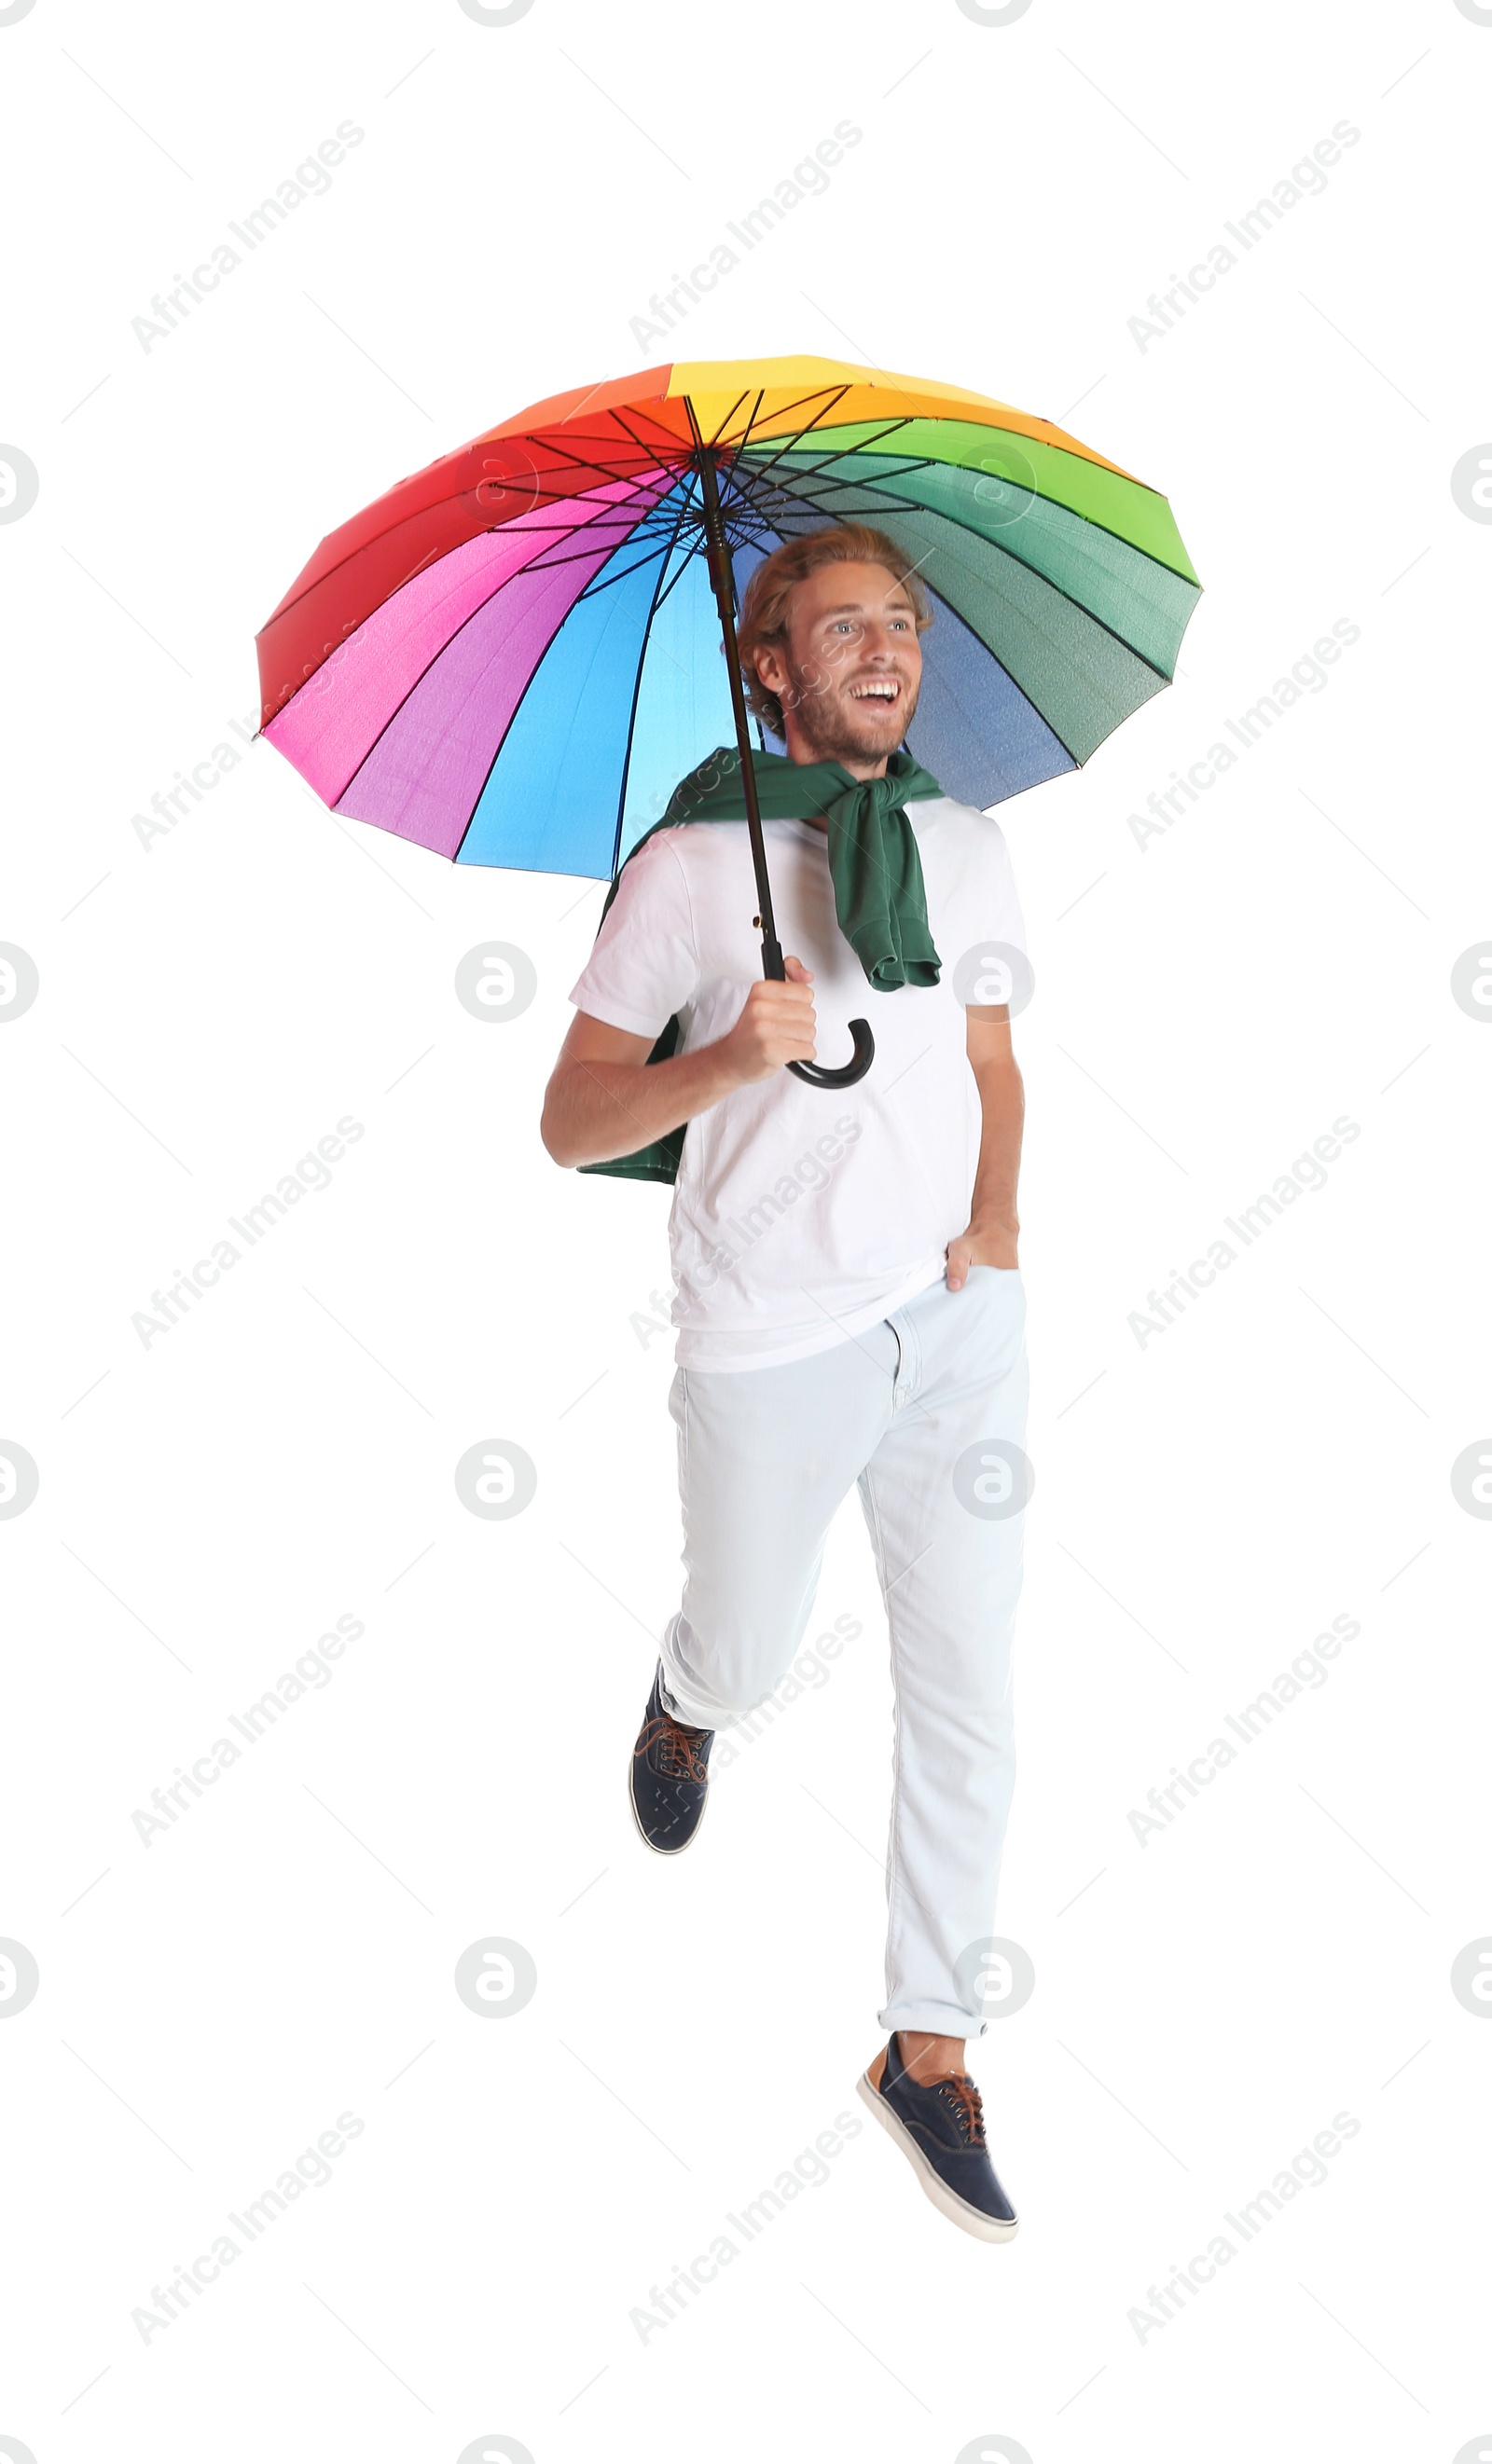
(655, 453)
(719, 432)
(532, 679)
(827, 396)
(768, 503)
(731, 476)
(593, 588)
(438, 653)
(687, 454)
(550, 441)
(545, 495)
(539, 562)
(658, 597)
(907, 465)
(667, 464)
(672, 448)
(624, 572)
(677, 576)
(928, 461)
(946, 600)
(838, 474)
(748, 480)
(630, 521)
(648, 528)
(600, 508)
(728, 474)
(695, 547)
(685, 512)
(617, 422)
(758, 522)
(588, 452)
(566, 492)
(1096, 621)
(893, 505)
(811, 492)
(842, 455)
(733, 472)
(741, 514)
(551, 563)
(432, 556)
(698, 549)
(745, 517)
(832, 398)
(676, 444)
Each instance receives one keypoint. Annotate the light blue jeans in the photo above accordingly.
(926, 1414)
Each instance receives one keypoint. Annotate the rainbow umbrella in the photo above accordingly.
(513, 657)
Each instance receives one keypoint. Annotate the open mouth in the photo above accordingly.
(882, 689)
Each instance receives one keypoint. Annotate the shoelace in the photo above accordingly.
(960, 2094)
(678, 1755)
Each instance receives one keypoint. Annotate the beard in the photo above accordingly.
(836, 728)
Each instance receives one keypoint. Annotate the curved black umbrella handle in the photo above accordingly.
(865, 1055)
(813, 1073)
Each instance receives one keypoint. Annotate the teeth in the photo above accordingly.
(874, 692)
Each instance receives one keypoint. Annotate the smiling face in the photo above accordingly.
(849, 675)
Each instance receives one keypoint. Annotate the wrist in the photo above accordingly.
(993, 1239)
(703, 1078)
(719, 1071)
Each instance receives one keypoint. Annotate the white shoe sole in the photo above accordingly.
(946, 2202)
(650, 1843)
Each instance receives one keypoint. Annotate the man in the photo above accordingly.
(849, 1306)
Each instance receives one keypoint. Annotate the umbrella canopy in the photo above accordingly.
(513, 656)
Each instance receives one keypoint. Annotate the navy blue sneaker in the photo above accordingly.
(670, 1776)
(942, 2129)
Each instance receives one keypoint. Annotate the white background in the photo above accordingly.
(1207, 1005)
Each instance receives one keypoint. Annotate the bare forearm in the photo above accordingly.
(606, 1098)
(1002, 1100)
(595, 1110)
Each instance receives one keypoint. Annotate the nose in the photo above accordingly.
(876, 642)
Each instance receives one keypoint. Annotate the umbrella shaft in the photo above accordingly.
(724, 597)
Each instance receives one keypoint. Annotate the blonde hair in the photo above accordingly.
(766, 608)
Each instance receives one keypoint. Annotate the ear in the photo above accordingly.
(770, 668)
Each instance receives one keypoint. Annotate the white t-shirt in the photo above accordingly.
(803, 1214)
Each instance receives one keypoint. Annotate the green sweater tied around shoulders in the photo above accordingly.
(874, 864)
